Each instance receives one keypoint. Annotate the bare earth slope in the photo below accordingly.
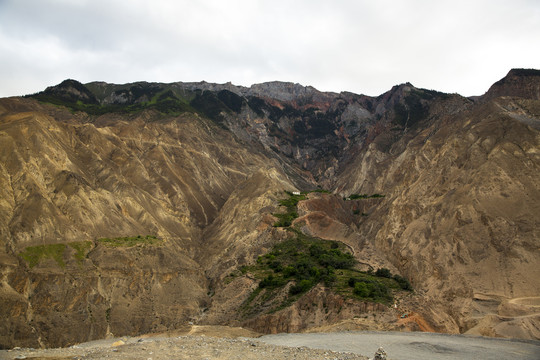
(461, 215)
(67, 181)
(128, 209)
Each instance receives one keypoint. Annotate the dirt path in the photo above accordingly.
(414, 346)
(530, 301)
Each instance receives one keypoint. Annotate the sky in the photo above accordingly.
(362, 46)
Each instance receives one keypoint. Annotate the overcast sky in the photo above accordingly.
(337, 45)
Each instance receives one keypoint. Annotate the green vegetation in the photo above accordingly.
(34, 254)
(303, 260)
(322, 191)
(362, 196)
(137, 97)
(377, 286)
(81, 249)
(166, 105)
(129, 241)
(286, 219)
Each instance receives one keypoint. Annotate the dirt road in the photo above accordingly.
(221, 343)
(414, 346)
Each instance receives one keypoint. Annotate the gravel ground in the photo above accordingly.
(414, 346)
(313, 346)
(181, 347)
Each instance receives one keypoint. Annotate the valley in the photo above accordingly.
(145, 207)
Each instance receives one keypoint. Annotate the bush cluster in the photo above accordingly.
(367, 288)
(286, 219)
(402, 282)
(363, 196)
(305, 261)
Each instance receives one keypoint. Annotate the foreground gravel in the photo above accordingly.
(314, 346)
(182, 347)
(414, 345)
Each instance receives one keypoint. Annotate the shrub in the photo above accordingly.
(301, 287)
(403, 283)
(286, 219)
(289, 271)
(276, 266)
(329, 278)
(370, 288)
(271, 281)
(358, 196)
(337, 260)
(383, 272)
(361, 289)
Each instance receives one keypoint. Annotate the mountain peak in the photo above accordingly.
(72, 90)
(523, 83)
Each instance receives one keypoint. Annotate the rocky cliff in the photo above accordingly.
(124, 208)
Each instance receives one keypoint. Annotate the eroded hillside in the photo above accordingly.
(135, 208)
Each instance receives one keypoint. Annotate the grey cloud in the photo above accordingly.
(360, 46)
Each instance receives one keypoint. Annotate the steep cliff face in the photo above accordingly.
(125, 208)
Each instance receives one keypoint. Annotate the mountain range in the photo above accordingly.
(147, 207)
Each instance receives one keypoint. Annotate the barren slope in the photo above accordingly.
(125, 209)
(73, 179)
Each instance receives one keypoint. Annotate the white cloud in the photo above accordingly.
(360, 46)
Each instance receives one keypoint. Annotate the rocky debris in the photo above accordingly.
(181, 347)
(380, 354)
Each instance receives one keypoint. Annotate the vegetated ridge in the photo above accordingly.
(135, 208)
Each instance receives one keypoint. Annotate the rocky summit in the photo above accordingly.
(150, 207)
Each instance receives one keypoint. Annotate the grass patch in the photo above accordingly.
(129, 241)
(34, 254)
(81, 249)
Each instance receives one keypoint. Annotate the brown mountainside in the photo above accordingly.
(133, 208)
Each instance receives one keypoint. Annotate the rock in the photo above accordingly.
(380, 354)
(117, 343)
